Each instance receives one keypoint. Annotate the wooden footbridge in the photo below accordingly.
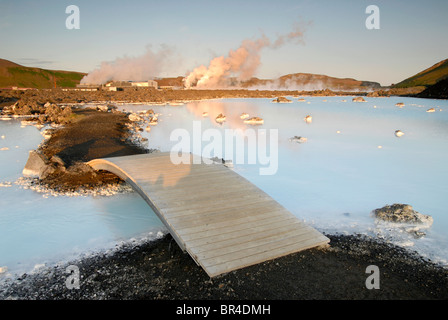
(221, 219)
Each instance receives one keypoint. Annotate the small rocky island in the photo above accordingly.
(86, 134)
(281, 100)
(358, 99)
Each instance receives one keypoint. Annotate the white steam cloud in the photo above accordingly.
(241, 63)
(140, 68)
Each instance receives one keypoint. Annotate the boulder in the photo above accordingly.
(42, 118)
(308, 119)
(135, 117)
(399, 133)
(373, 94)
(402, 213)
(46, 171)
(56, 114)
(111, 107)
(358, 99)
(298, 139)
(282, 100)
(67, 111)
(57, 161)
(52, 109)
(35, 164)
(102, 107)
(254, 120)
(3, 269)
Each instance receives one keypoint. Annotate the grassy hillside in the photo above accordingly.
(427, 77)
(12, 74)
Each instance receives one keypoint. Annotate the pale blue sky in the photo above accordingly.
(336, 42)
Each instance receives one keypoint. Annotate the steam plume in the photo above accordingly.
(140, 68)
(241, 63)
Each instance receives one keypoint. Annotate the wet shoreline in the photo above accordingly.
(159, 270)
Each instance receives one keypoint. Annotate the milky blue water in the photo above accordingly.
(38, 228)
(351, 164)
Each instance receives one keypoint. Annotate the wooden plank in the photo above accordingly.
(260, 257)
(255, 252)
(240, 248)
(245, 226)
(167, 166)
(185, 181)
(235, 236)
(227, 224)
(209, 202)
(213, 217)
(195, 208)
(155, 160)
(230, 210)
(244, 252)
(174, 173)
(202, 191)
(170, 207)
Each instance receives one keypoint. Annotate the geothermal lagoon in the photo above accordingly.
(350, 162)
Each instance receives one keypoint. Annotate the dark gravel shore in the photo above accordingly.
(158, 269)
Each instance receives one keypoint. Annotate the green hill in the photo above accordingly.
(427, 77)
(15, 75)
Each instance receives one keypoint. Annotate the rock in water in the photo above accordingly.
(358, 99)
(402, 213)
(220, 118)
(399, 133)
(3, 269)
(282, 100)
(298, 139)
(254, 120)
(308, 119)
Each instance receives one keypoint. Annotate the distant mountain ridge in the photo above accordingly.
(427, 77)
(16, 75)
(13, 74)
(310, 81)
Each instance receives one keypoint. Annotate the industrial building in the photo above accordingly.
(162, 84)
(128, 84)
(118, 85)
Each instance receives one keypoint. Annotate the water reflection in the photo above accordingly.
(233, 115)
